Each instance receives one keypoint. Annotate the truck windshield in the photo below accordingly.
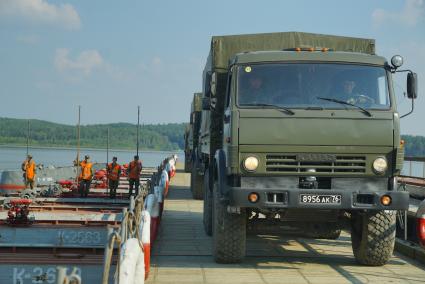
(304, 85)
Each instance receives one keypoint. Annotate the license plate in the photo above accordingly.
(320, 198)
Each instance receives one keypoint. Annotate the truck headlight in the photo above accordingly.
(380, 165)
(250, 163)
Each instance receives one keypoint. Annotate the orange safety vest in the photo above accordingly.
(113, 171)
(86, 170)
(29, 169)
(135, 169)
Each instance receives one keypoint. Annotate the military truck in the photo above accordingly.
(302, 128)
(193, 138)
(188, 145)
(201, 152)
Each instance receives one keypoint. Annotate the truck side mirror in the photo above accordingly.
(213, 83)
(412, 85)
(206, 103)
(207, 84)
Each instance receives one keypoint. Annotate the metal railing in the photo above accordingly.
(414, 167)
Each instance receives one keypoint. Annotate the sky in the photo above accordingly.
(111, 56)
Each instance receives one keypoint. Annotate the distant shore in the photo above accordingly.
(84, 148)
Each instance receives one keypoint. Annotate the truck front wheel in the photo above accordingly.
(187, 163)
(196, 184)
(373, 236)
(208, 203)
(229, 232)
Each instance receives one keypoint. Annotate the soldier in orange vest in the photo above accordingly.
(86, 174)
(28, 166)
(134, 169)
(114, 172)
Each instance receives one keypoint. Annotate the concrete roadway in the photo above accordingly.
(182, 254)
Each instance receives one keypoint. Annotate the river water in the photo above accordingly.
(12, 157)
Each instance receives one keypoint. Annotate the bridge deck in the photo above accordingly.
(182, 254)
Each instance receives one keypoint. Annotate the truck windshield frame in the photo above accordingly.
(297, 85)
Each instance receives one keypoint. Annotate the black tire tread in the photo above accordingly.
(196, 185)
(229, 232)
(373, 244)
(207, 213)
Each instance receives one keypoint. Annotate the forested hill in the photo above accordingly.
(121, 135)
(415, 145)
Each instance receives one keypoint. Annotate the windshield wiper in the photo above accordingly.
(365, 111)
(281, 108)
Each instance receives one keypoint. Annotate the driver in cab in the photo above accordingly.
(252, 91)
(349, 93)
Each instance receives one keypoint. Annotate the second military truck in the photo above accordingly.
(300, 128)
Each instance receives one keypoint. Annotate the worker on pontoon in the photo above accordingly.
(114, 173)
(86, 175)
(134, 169)
(29, 168)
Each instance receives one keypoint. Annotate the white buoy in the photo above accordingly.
(144, 232)
(130, 255)
(164, 182)
(149, 202)
(159, 193)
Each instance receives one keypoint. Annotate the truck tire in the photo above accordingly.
(208, 203)
(373, 236)
(229, 232)
(186, 165)
(329, 231)
(196, 184)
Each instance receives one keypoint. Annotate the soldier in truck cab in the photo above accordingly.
(347, 87)
(349, 90)
(252, 90)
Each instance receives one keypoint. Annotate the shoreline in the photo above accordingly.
(5, 146)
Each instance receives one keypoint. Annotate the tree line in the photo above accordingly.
(163, 137)
(414, 145)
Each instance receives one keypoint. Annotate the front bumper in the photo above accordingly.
(351, 199)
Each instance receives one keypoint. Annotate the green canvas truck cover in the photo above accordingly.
(197, 102)
(223, 48)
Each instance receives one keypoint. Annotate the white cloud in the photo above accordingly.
(154, 67)
(85, 62)
(412, 13)
(39, 11)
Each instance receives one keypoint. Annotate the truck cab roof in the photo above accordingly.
(314, 56)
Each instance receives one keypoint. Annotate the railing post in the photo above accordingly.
(423, 169)
(107, 259)
(124, 225)
(132, 202)
(410, 168)
(405, 224)
(61, 274)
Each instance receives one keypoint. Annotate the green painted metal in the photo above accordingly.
(197, 102)
(307, 56)
(223, 48)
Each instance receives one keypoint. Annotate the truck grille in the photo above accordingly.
(322, 163)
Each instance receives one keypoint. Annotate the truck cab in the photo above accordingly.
(318, 120)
